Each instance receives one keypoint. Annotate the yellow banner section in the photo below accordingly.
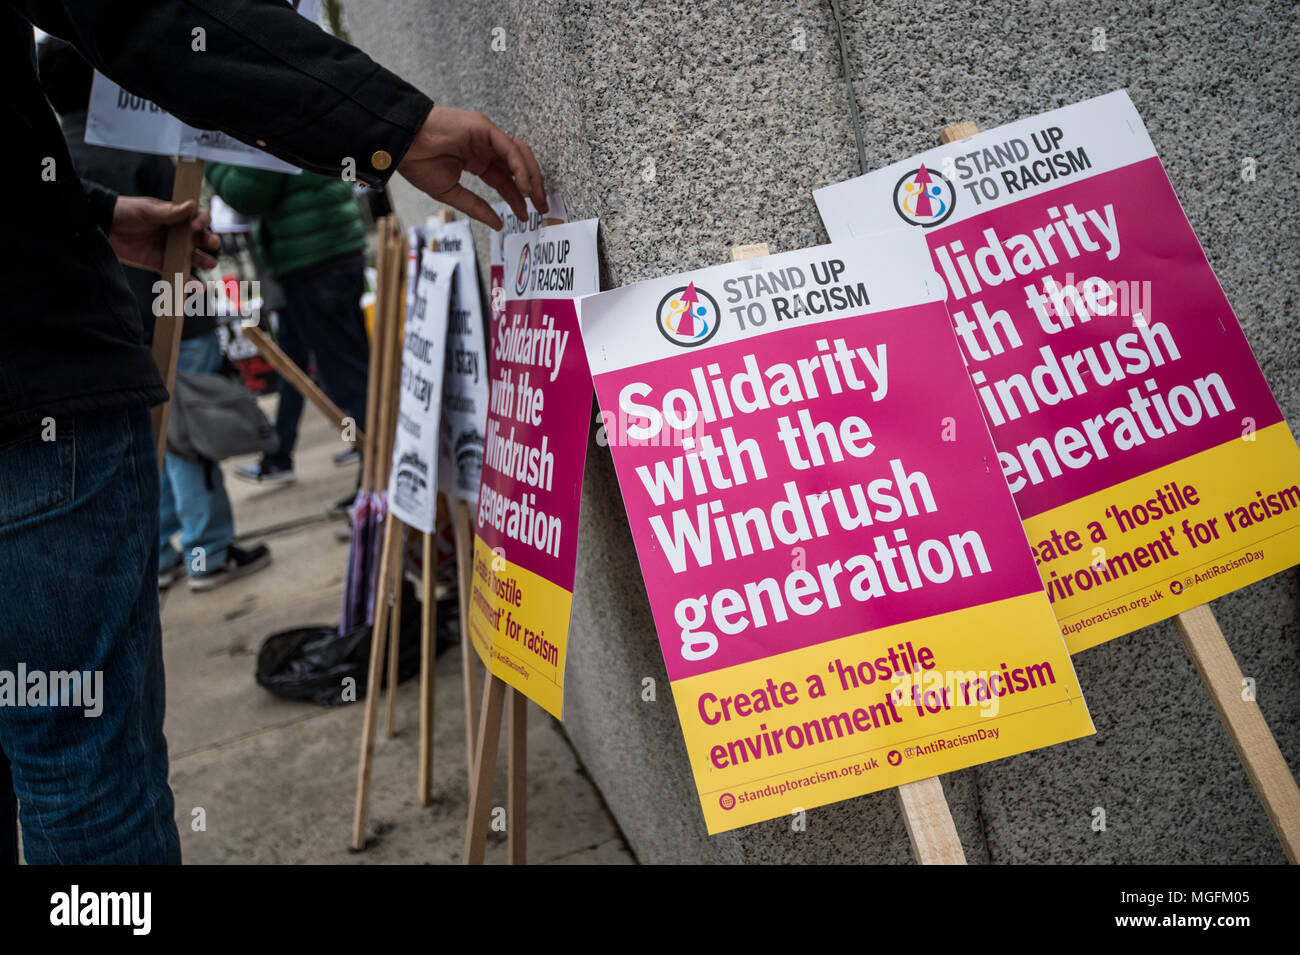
(1172, 539)
(875, 710)
(519, 624)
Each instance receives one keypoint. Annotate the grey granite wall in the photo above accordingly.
(689, 127)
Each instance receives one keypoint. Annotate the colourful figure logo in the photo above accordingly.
(688, 316)
(924, 197)
(521, 278)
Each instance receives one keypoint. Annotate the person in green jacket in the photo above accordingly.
(311, 240)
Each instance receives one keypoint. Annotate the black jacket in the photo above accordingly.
(70, 334)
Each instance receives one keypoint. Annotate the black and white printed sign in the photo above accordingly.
(465, 381)
(413, 485)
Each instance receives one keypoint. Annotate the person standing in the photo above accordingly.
(311, 240)
(194, 503)
(78, 469)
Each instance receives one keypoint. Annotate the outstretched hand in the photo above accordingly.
(139, 231)
(453, 141)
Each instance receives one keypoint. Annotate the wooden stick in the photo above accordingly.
(925, 810)
(1265, 767)
(485, 764)
(464, 531)
(428, 635)
(187, 183)
(389, 401)
(950, 134)
(517, 799)
(369, 452)
(299, 379)
(929, 823)
(395, 629)
(378, 634)
(384, 333)
(385, 330)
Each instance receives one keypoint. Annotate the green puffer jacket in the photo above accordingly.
(302, 220)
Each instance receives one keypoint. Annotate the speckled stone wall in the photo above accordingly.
(689, 127)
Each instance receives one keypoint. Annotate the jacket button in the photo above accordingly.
(381, 160)
(262, 143)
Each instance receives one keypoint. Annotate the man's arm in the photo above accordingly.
(263, 74)
(260, 72)
(102, 200)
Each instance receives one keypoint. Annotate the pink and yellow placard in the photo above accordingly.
(526, 522)
(841, 586)
(1148, 458)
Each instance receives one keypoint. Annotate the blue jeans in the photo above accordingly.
(193, 498)
(322, 317)
(78, 544)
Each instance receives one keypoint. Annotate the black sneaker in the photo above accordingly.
(266, 472)
(239, 563)
(172, 574)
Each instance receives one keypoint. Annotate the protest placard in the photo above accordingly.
(122, 120)
(413, 479)
(465, 375)
(526, 518)
(839, 580)
(1148, 458)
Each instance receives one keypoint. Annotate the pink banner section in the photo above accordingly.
(536, 438)
(1098, 338)
(809, 483)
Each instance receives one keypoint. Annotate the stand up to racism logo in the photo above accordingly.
(525, 263)
(924, 197)
(688, 316)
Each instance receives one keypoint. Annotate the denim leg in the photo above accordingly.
(80, 517)
(326, 305)
(207, 524)
(169, 523)
(8, 815)
(291, 341)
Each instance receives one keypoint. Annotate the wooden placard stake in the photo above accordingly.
(925, 810)
(428, 641)
(1240, 715)
(485, 764)
(517, 768)
(390, 398)
(288, 369)
(187, 183)
(386, 338)
(464, 531)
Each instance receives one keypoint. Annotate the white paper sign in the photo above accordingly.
(413, 485)
(121, 120)
(465, 380)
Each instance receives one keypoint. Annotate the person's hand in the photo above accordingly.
(453, 141)
(139, 231)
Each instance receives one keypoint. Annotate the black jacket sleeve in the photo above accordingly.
(252, 68)
(102, 201)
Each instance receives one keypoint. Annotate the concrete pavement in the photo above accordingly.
(259, 779)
